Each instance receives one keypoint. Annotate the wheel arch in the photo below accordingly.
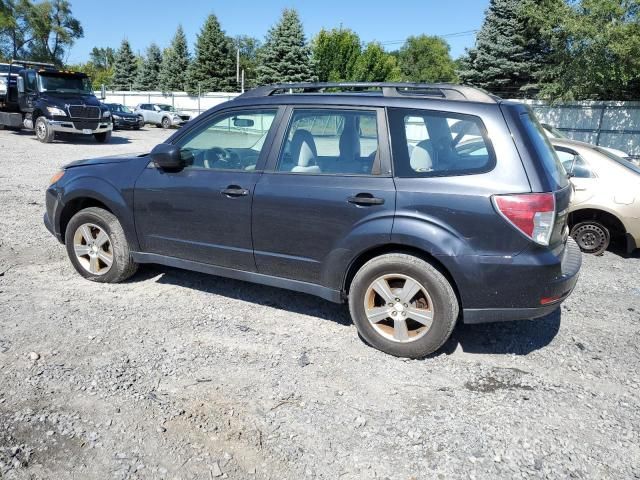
(374, 252)
(606, 217)
(74, 206)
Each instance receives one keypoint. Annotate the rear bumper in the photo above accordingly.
(555, 291)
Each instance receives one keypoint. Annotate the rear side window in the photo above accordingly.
(543, 149)
(427, 143)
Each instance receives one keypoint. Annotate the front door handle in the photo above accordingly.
(235, 191)
(365, 200)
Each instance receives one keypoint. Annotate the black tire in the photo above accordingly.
(44, 132)
(444, 306)
(102, 137)
(592, 237)
(166, 123)
(123, 265)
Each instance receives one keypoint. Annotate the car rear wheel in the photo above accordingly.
(97, 246)
(592, 237)
(402, 305)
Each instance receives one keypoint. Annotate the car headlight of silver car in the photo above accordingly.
(57, 111)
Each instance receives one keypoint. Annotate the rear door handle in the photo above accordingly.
(365, 200)
(235, 191)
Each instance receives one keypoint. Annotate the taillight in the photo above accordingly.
(531, 213)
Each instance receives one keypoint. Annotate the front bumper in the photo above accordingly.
(81, 126)
(558, 289)
(178, 122)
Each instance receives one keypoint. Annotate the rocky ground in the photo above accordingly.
(178, 375)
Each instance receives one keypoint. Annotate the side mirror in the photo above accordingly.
(20, 85)
(167, 157)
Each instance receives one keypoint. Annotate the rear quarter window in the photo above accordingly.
(427, 143)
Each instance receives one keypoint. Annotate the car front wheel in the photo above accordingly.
(44, 132)
(592, 237)
(166, 123)
(402, 305)
(97, 246)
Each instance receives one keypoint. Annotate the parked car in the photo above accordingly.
(162, 115)
(553, 132)
(366, 197)
(123, 117)
(607, 196)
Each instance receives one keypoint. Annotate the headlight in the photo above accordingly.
(116, 116)
(56, 111)
(106, 114)
(176, 117)
(56, 177)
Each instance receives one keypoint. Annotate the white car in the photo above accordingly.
(162, 115)
(553, 132)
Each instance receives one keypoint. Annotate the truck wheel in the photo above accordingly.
(102, 137)
(44, 132)
(166, 123)
(402, 305)
(97, 246)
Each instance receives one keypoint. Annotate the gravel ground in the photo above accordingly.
(178, 375)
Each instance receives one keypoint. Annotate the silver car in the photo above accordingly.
(162, 115)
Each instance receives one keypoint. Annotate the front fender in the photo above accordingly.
(97, 188)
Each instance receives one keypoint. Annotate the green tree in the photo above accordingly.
(508, 55)
(148, 74)
(213, 67)
(594, 48)
(335, 53)
(102, 57)
(38, 31)
(249, 48)
(426, 59)
(285, 57)
(376, 65)
(175, 62)
(124, 68)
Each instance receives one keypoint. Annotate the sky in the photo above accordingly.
(389, 22)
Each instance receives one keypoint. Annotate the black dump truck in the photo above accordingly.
(40, 97)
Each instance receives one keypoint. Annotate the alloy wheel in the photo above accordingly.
(399, 308)
(93, 249)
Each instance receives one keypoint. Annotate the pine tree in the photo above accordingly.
(213, 68)
(175, 62)
(508, 54)
(285, 57)
(148, 74)
(124, 68)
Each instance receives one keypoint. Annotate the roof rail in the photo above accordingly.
(389, 89)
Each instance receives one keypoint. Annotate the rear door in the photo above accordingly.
(327, 192)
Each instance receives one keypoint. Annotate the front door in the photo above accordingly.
(203, 212)
(328, 192)
(582, 176)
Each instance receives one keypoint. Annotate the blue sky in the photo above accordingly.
(146, 21)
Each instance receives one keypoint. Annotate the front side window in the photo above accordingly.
(31, 81)
(330, 142)
(232, 141)
(427, 144)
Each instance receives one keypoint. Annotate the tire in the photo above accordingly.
(592, 237)
(166, 123)
(44, 132)
(416, 339)
(102, 137)
(78, 240)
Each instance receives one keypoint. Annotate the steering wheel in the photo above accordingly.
(223, 158)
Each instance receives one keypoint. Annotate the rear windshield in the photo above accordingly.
(545, 152)
(625, 163)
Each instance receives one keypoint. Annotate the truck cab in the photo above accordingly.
(42, 98)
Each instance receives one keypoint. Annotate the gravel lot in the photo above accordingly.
(179, 375)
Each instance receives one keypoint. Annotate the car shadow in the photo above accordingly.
(278, 298)
(519, 337)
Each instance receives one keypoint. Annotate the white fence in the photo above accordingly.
(609, 124)
(180, 100)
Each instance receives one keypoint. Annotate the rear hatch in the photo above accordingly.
(544, 169)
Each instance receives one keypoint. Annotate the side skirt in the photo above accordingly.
(334, 296)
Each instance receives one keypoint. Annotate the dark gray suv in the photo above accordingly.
(419, 205)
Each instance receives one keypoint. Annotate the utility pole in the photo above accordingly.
(242, 84)
(238, 65)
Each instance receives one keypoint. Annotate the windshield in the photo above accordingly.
(116, 107)
(167, 108)
(555, 133)
(64, 83)
(625, 163)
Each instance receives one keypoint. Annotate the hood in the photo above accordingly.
(61, 99)
(125, 114)
(105, 160)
